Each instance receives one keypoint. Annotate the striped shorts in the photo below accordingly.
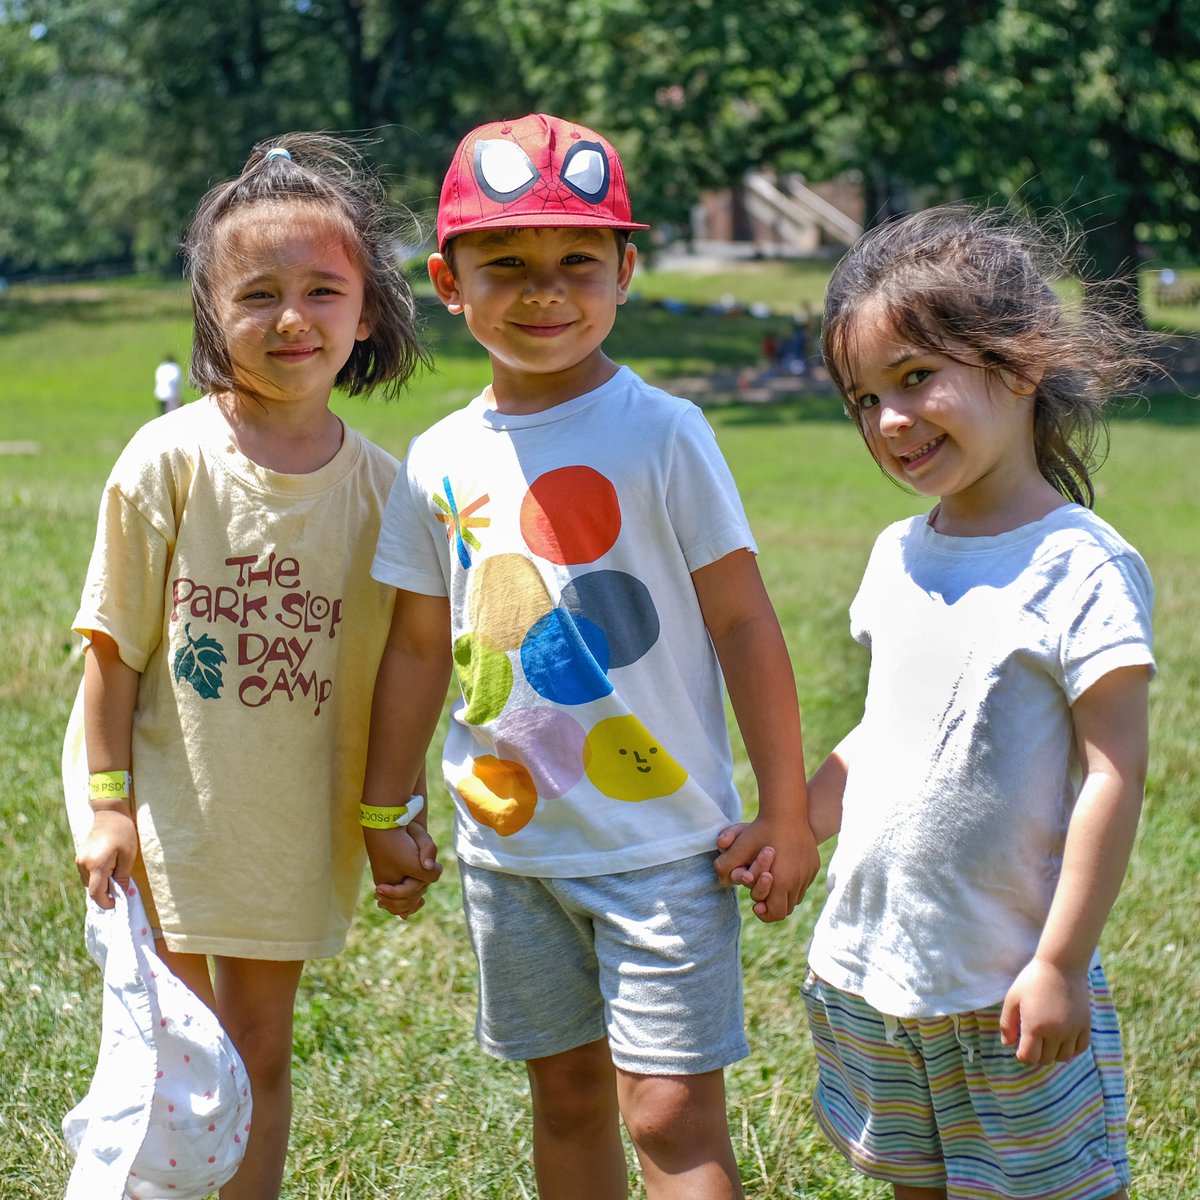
(938, 1102)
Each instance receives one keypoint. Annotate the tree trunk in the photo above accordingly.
(1113, 282)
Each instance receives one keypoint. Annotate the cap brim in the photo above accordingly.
(548, 220)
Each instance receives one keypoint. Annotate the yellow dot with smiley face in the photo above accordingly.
(625, 761)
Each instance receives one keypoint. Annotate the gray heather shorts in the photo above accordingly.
(649, 958)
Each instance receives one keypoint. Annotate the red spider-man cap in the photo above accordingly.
(535, 171)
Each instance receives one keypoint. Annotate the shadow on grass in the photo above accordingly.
(1165, 408)
(1171, 407)
(26, 309)
(660, 345)
(794, 410)
(655, 342)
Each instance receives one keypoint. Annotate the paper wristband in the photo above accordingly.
(372, 816)
(110, 785)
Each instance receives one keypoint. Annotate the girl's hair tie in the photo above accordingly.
(277, 152)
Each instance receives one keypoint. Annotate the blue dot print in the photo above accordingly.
(565, 659)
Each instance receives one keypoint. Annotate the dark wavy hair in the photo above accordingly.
(327, 172)
(977, 285)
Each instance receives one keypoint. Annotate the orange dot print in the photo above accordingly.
(500, 794)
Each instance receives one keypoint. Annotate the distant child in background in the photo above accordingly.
(233, 629)
(793, 351)
(988, 799)
(573, 543)
(168, 384)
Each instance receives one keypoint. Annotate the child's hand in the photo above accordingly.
(1047, 1014)
(732, 872)
(775, 860)
(110, 851)
(401, 899)
(403, 864)
(758, 878)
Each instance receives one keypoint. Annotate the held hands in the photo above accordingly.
(1047, 1014)
(110, 850)
(403, 864)
(776, 860)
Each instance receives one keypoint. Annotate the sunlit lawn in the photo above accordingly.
(393, 1098)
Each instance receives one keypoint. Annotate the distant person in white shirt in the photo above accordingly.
(168, 384)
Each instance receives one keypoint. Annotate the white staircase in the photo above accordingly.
(798, 219)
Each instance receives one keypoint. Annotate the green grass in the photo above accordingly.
(393, 1099)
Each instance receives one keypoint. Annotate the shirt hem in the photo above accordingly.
(191, 943)
(614, 862)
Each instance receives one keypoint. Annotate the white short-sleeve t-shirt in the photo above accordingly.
(963, 772)
(591, 734)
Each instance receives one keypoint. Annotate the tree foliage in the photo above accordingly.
(116, 114)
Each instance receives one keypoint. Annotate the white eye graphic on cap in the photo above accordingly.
(503, 170)
(585, 171)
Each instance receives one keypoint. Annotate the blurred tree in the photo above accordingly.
(130, 109)
(121, 112)
(239, 71)
(1088, 105)
(60, 101)
(694, 95)
(1096, 109)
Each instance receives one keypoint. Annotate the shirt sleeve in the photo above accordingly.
(406, 555)
(1110, 626)
(702, 499)
(123, 594)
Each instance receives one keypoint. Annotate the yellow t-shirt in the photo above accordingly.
(244, 597)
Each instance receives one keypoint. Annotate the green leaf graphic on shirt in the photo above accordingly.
(199, 662)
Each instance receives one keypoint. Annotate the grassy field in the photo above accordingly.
(393, 1099)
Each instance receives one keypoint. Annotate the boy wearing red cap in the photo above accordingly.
(573, 543)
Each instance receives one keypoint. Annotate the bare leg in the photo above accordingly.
(190, 969)
(577, 1150)
(680, 1130)
(255, 999)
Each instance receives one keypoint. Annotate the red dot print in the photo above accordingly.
(187, 1058)
(212, 1129)
(570, 515)
(172, 1162)
(170, 1108)
(212, 1158)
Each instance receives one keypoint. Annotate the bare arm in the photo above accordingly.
(410, 689)
(758, 675)
(1046, 1011)
(109, 695)
(825, 790)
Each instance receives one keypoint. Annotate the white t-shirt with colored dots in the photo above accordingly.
(591, 735)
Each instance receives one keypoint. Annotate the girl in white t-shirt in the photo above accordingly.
(233, 630)
(988, 798)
